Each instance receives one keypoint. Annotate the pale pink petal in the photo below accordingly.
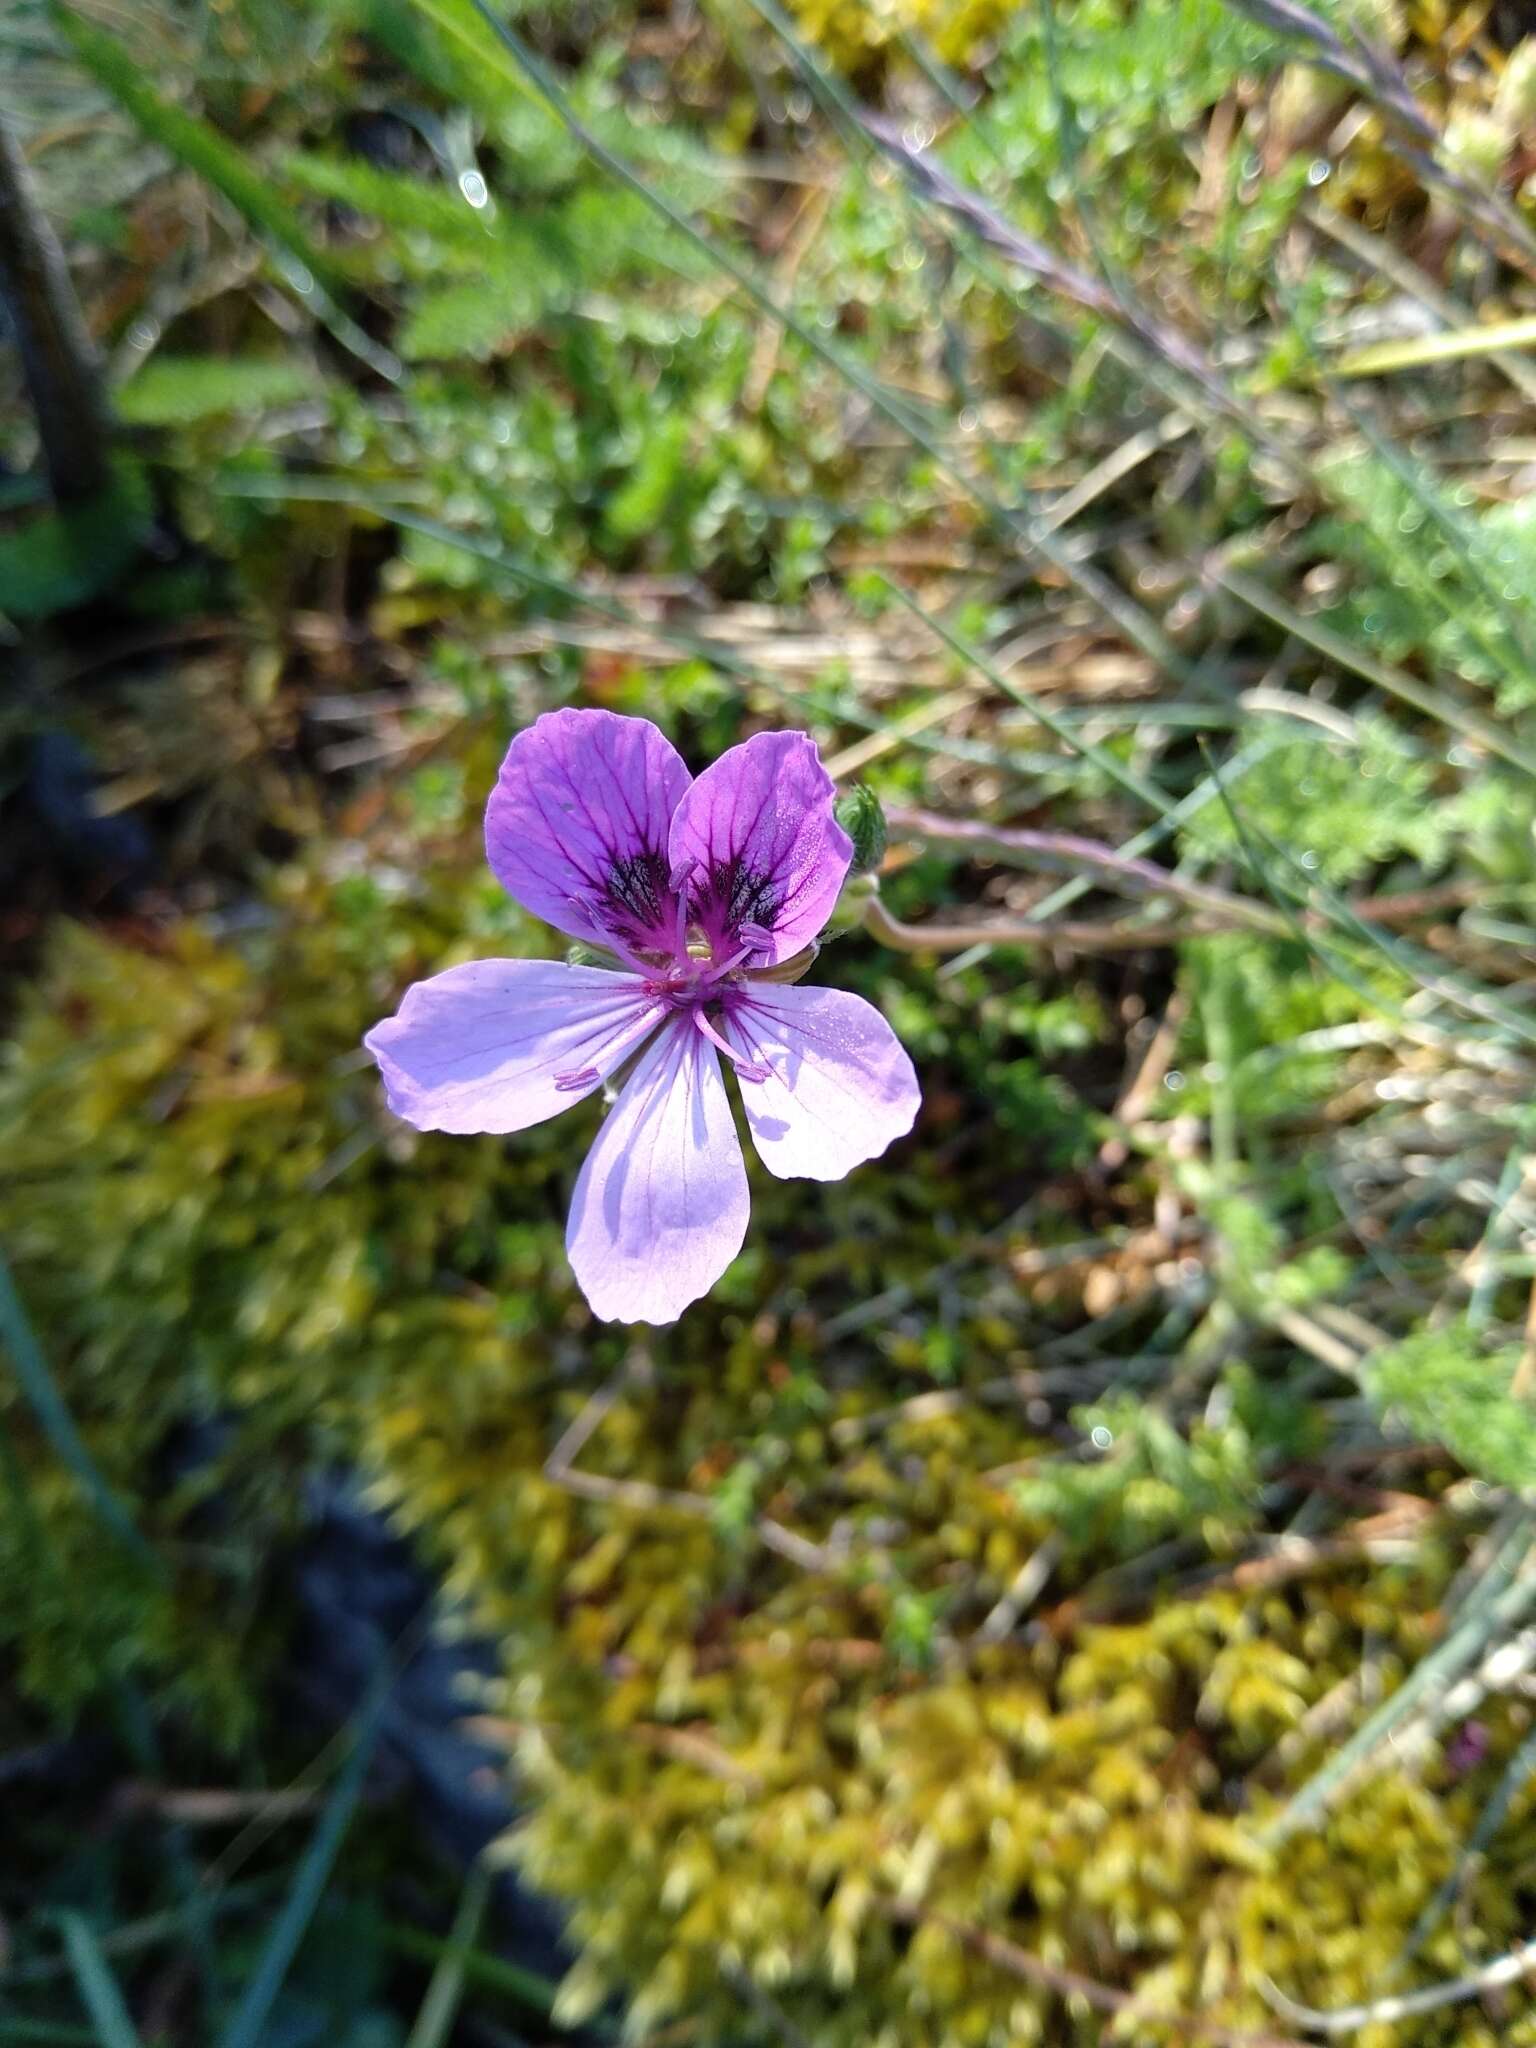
(756, 846)
(576, 828)
(840, 1088)
(660, 1208)
(497, 1045)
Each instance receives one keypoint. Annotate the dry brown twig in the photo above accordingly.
(1027, 1585)
(213, 1806)
(798, 243)
(1021, 1962)
(561, 1470)
(1140, 1092)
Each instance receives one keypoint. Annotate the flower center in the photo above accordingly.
(696, 980)
(696, 986)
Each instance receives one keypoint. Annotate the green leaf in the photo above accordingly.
(474, 318)
(398, 201)
(639, 505)
(174, 391)
(459, 52)
(246, 184)
(1449, 1392)
(67, 555)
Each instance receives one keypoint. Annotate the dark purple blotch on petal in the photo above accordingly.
(577, 826)
(637, 903)
(733, 901)
(755, 844)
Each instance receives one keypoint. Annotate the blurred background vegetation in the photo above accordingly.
(1073, 1581)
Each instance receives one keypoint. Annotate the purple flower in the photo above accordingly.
(699, 889)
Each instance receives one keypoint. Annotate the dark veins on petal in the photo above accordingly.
(732, 894)
(637, 899)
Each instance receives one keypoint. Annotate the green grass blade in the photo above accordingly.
(1381, 357)
(445, 1992)
(1146, 840)
(1138, 626)
(133, 1936)
(1152, 351)
(1459, 533)
(248, 187)
(1484, 1259)
(1422, 696)
(190, 140)
(1207, 791)
(1127, 778)
(1302, 889)
(689, 645)
(1415, 965)
(1497, 1603)
(58, 1425)
(491, 1972)
(247, 2028)
(1516, 1777)
(99, 1988)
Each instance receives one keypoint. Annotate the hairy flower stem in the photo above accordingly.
(1066, 853)
(1103, 936)
(1083, 937)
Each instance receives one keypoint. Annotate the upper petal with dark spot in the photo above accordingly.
(577, 827)
(755, 844)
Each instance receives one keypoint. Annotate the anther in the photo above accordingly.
(747, 1070)
(579, 1077)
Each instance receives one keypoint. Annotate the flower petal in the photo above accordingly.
(757, 842)
(840, 1087)
(660, 1207)
(497, 1045)
(576, 828)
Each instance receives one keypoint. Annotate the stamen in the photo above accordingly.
(617, 1046)
(680, 912)
(758, 937)
(579, 1077)
(747, 1070)
(719, 967)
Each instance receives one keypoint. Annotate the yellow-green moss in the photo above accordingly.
(855, 30)
(730, 1759)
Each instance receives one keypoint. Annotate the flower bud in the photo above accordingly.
(858, 812)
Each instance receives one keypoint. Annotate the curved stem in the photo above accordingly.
(1101, 936)
(1083, 937)
(1066, 853)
